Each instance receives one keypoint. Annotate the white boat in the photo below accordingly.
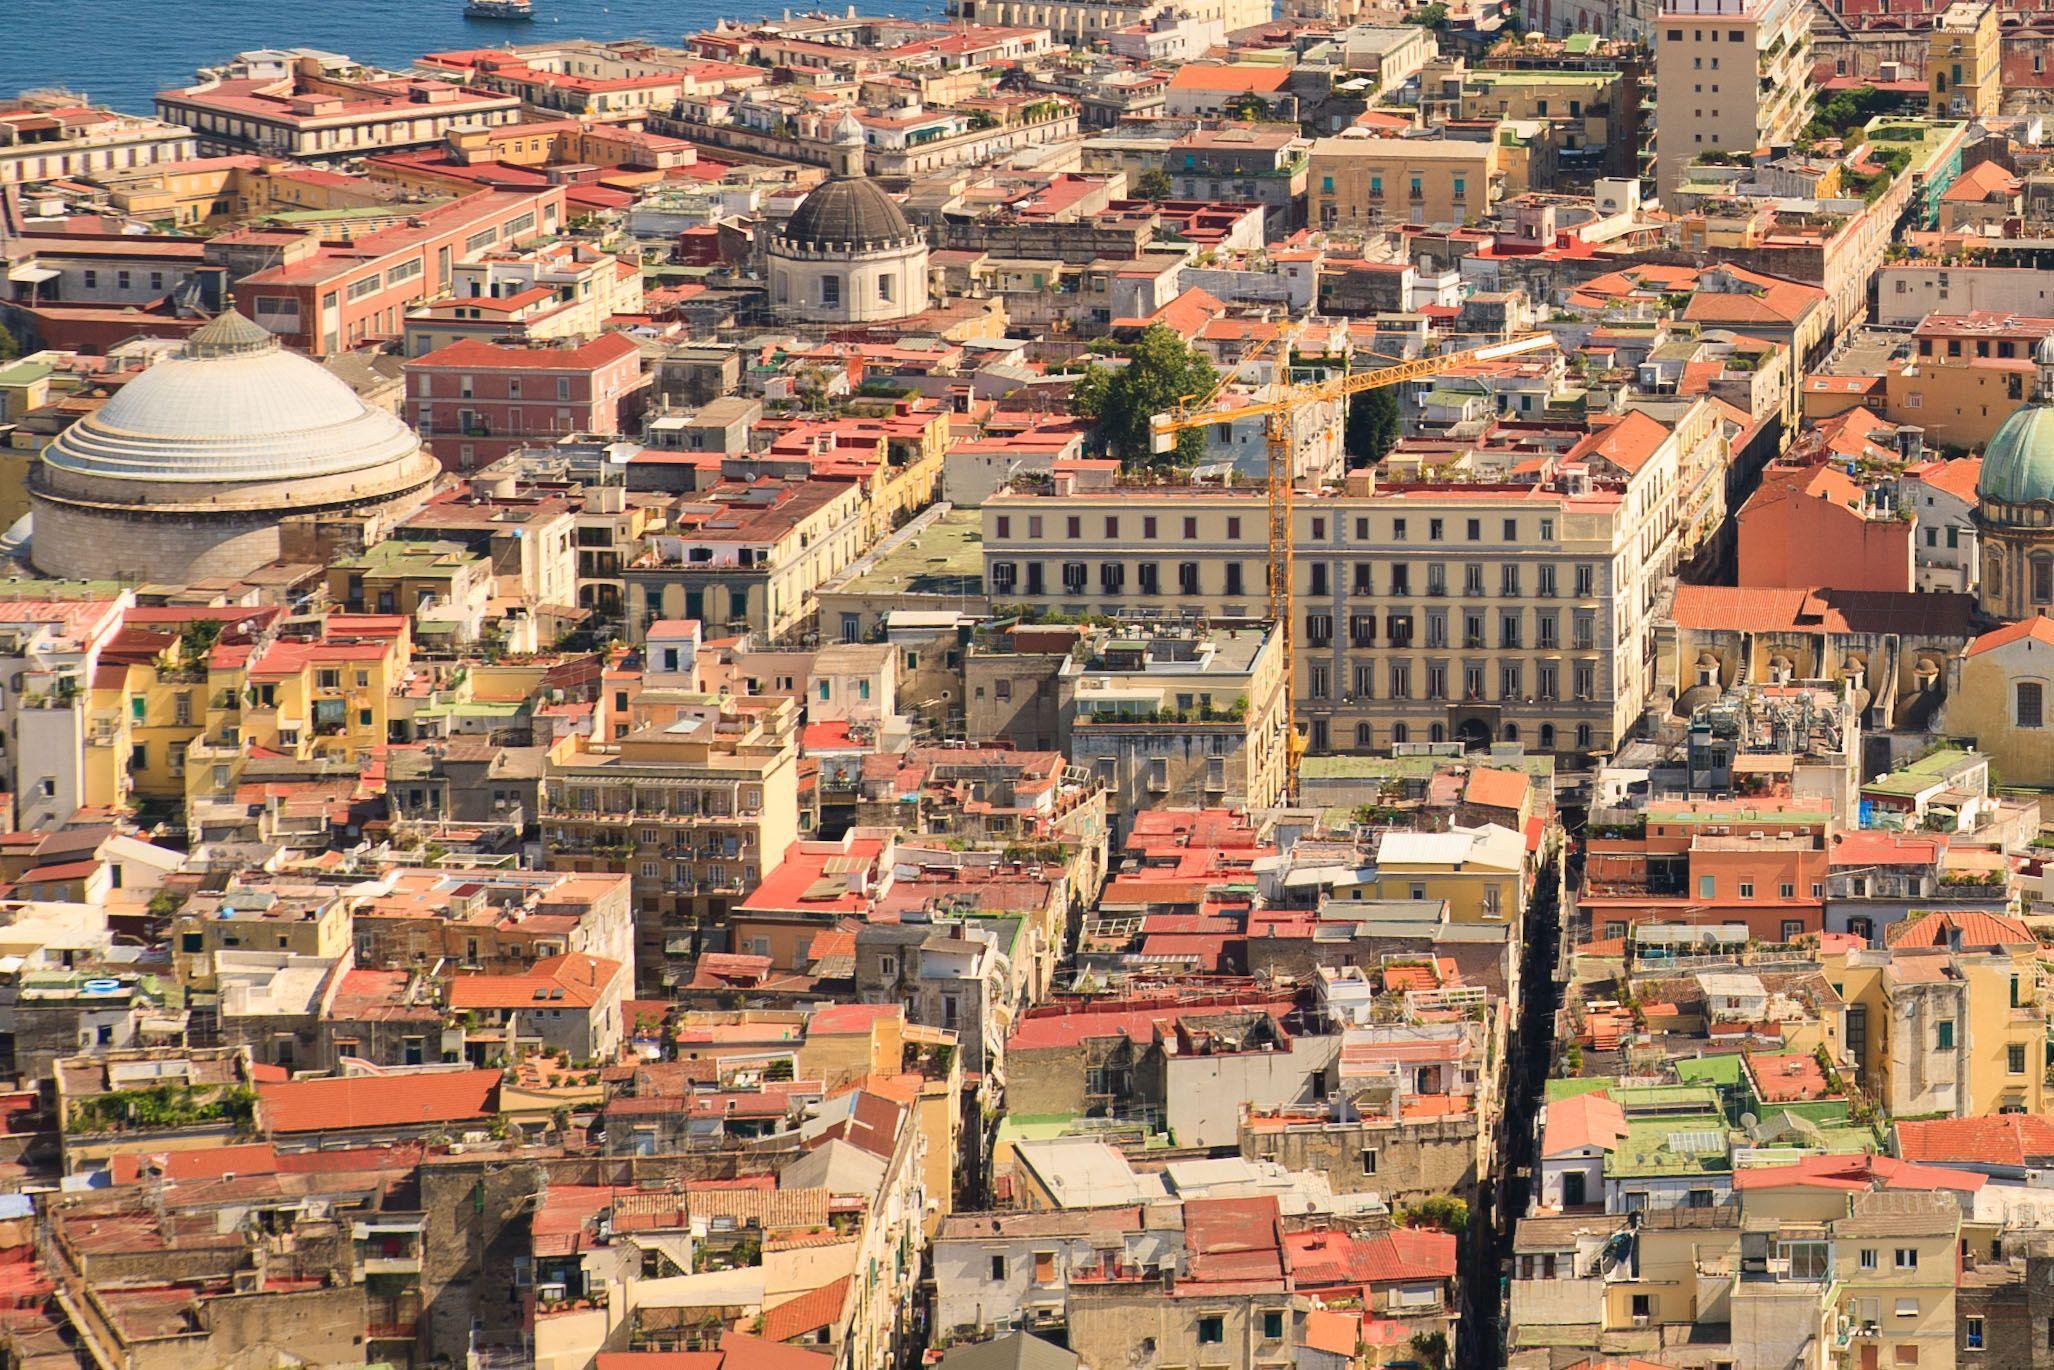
(500, 9)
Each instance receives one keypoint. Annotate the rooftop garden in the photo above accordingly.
(163, 1106)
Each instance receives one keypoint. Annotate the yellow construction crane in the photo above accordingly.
(1276, 412)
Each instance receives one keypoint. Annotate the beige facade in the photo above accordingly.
(1363, 182)
(1179, 719)
(1424, 613)
(694, 804)
(1730, 76)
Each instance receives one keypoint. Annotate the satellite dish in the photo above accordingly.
(1748, 1122)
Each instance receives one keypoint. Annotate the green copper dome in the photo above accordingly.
(2018, 465)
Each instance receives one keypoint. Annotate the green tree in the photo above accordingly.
(9, 348)
(1444, 1211)
(1432, 16)
(1248, 105)
(1372, 425)
(1161, 371)
(1154, 185)
(1845, 112)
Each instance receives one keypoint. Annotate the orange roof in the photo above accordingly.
(1771, 300)
(1970, 928)
(573, 980)
(445, 1096)
(1627, 443)
(807, 1313)
(1982, 181)
(1495, 789)
(1586, 1120)
(2008, 1139)
(1236, 78)
(1958, 477)
(2039, 628)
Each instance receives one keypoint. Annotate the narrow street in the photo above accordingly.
(1525, 1077)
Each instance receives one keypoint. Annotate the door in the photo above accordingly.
(1573, 1189)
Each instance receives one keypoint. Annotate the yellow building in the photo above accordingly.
(1579, 104)
(1961, 403)
(1947, 1019)
(1479, 872)
(327, 700)
(1963, 68)
(748, 557)
(694, 804)
(1366, 182)
(2001, 695)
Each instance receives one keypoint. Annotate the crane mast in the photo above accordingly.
(1277, 413)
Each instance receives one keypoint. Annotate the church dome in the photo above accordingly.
(190, 471)
(846, 214)
(2018, 465)
(232, 406)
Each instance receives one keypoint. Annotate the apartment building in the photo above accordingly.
(694, 805)
(1426, 612)
(48, 136)
(748, 555)
(1947, 1020)
(322, 297)
(473, 401)
(1180, 718)
(319, 113)
(1369, 182)
(1730, 76)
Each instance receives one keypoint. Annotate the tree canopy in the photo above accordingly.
(1372, 426)
(1161, 370)
(1844, 113)
(1154, 184)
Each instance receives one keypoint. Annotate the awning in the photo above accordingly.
(32, 275)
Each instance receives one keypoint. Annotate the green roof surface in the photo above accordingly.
(1922, 773)
(1709, 1070)
(1649, 1146)
(944, 558)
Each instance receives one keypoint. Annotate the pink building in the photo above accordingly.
(324, 297)
(474, 401)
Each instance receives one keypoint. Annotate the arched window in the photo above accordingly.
(1437, 733)
(1547, 737)
(1510, 732)
(1363, 735)
(1583, 737)
(1400, 733)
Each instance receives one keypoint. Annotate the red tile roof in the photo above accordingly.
(2039, 628)
(1586, 1120)
(484, 356)
(573, 980)
(367, 1101)
(2008, 1139)
(1968, 928)
(1495, 789)
(809, 1312)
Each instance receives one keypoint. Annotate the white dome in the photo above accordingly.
(233, 406)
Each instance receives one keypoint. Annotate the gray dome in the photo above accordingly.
(847, 213)
(231, 406)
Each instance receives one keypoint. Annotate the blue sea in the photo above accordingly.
(122, 52)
